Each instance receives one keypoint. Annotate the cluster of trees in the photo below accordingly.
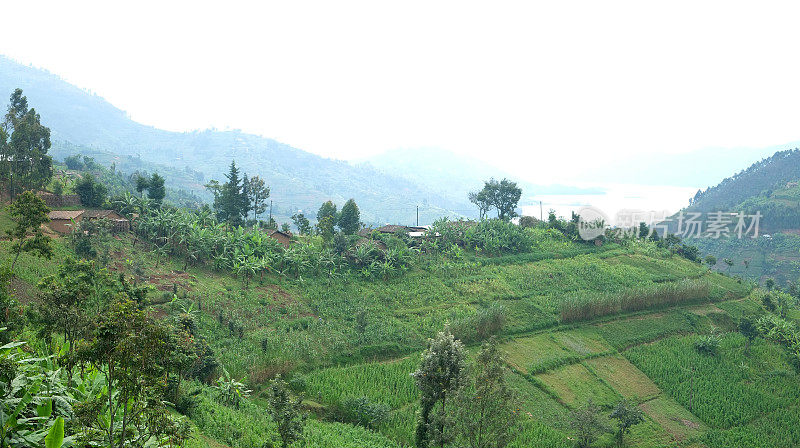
(24, 142)
(329, 219)
(502, 196)
(249, 252)
(154, 186)
(464, 404)
(101, 369)
(236, 198)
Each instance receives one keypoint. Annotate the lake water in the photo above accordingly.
(616, 197)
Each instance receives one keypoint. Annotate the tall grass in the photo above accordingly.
(591, 306)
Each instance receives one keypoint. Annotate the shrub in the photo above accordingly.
(364, 412)
(708, 344)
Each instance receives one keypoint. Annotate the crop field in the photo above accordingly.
(536, 354)
(640, 329)
(623, 377)
(574, 384)
(674, 418)
(389, 383)
(777, 429)
(719, 389)
(362, 338)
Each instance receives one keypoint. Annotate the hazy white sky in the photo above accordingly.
(545, 82)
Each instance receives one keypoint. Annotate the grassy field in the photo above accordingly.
(361, 338)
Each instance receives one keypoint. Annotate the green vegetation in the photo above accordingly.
(24, 143)
(200, 329)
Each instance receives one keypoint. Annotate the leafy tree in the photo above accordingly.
(326, 220)
(711, 260)
(155, 189)
(769, 284)
(506, 198)
(131, 351)
(586, 424)
(503, 196)
(231, 392)
(91, 192)
(58, 189)
(302, 223)
(438, 377)
(708, 344)
(364, 412)
(90, 239)
(286, 412)
(74, 162)
(61, 308)
(749, 330)
(482, 201)
(24, 143)
(627, 415)
(258, 193)
(350, 217)
(527, 222)
(286, 228)
(29, 213)
(485, 414)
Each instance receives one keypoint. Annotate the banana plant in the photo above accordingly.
(26, 409)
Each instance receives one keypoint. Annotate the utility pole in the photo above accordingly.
(541, 213)
(418, 216)
(270, 211)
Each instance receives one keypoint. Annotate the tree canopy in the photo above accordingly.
(24, 143)
(502, 196)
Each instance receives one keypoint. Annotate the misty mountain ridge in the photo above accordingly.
(299, 180)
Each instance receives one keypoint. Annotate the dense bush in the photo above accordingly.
(490, 236)
(363, 412)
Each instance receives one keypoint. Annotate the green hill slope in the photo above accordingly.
(360, 338)
(769, 187)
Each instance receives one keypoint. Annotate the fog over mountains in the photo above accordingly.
(389, 187)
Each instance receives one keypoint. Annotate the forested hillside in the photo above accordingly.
(769, 187)
(298, 180)
(760, 179)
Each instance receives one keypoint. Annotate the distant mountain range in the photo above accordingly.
(83, 122)
(388, 187)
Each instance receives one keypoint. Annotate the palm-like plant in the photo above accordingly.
(231, 392)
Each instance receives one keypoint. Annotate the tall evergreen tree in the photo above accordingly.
(230, 199)
(24, 143)
(350, 217)
(155, 189)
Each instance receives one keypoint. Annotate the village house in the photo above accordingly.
(62, 221)
(284, 238)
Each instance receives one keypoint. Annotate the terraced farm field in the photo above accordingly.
(338, 341)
